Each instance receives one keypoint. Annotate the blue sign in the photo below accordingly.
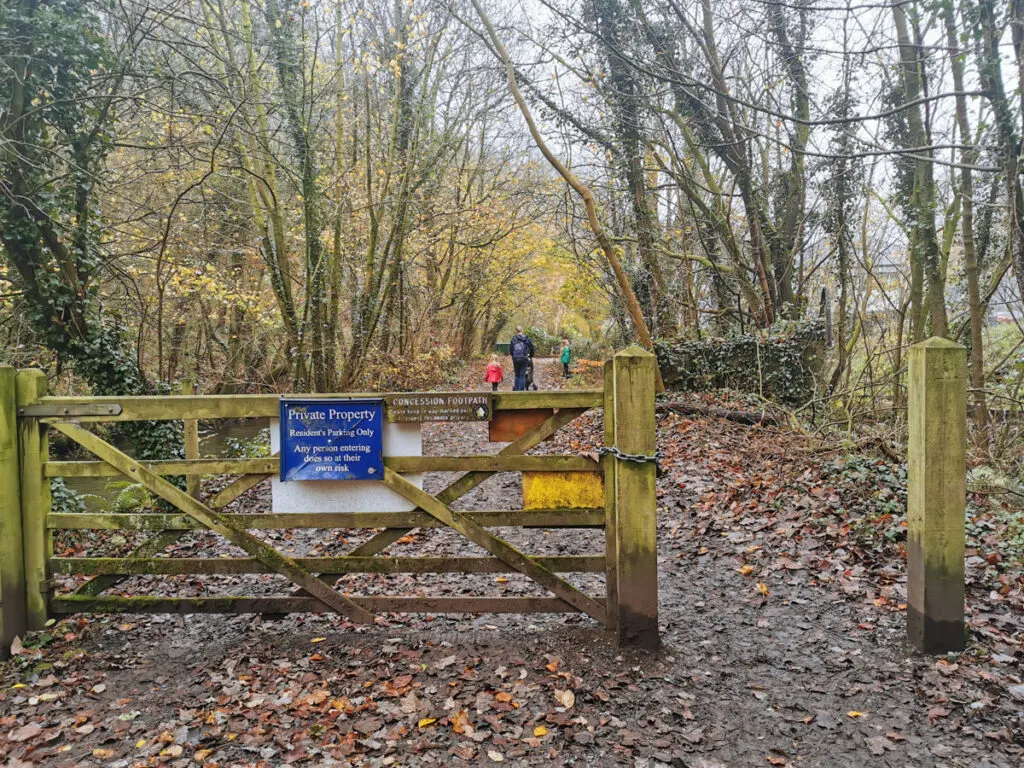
(332, 440)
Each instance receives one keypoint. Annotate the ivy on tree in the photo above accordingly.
(55, 129)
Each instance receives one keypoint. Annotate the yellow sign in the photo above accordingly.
(566, 490)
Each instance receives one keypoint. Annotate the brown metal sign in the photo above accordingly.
(440, 406)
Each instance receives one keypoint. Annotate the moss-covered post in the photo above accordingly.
(636, 509)
(191, 433)
(937, 470)
(610, 526)
(35, 499)
(12, 567)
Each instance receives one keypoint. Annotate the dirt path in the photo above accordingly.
(805, 674)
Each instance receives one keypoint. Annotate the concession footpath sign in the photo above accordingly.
(332, 440)
(440, 406)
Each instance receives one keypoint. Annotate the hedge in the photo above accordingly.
(781, 365)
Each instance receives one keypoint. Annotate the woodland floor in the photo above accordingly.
(781, 597)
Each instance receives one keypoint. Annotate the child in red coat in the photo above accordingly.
(494, 373)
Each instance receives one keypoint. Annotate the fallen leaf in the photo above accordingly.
(539, 731)
(318, 639)
(1003, 734)
(368, 725)
(26, 732)
(401, 681)
(762, 588)
(103, 754)
(463, 751)
(854, 714)
(745, 570)
(408, 703)
(426, 722)
(317, 696)
(935, 713)
(503, 696)
(495, 756)
(694, 735)
(174, 750)
(460, 722)
(566, 698)
(877, 745)
(99, 688)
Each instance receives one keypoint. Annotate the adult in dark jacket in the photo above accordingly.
(521, 349)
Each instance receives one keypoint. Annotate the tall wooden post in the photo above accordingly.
(936, 495)
(191, 430)
(610, 524)
(636, 510)
(12, 567)
(35, 499)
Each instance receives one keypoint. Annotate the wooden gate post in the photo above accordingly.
(191, 435)
(12, 568)
(34, 448)
(936, 495)
(635, 492)
(611, 557)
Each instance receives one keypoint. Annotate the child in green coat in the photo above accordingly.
(566, 358)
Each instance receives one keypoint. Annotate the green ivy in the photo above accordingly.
(780, 365)
(249, 448)
(64, 500)
(57, 70)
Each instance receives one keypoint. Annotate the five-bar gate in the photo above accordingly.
(28, 526)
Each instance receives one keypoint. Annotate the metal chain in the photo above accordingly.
(639, 458)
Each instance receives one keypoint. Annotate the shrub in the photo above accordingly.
(544, 344)
(392, 372)
(248, 447)
(781, 365)
(587, 374)
(131, 497)
(549, 345)
(65, 500)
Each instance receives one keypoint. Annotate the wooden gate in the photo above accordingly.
(28, 526)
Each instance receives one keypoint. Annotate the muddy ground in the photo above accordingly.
(781, 604)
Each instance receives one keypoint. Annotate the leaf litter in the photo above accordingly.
(781, 574)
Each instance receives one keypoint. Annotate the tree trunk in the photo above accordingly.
(924, 243)
(972, 266)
